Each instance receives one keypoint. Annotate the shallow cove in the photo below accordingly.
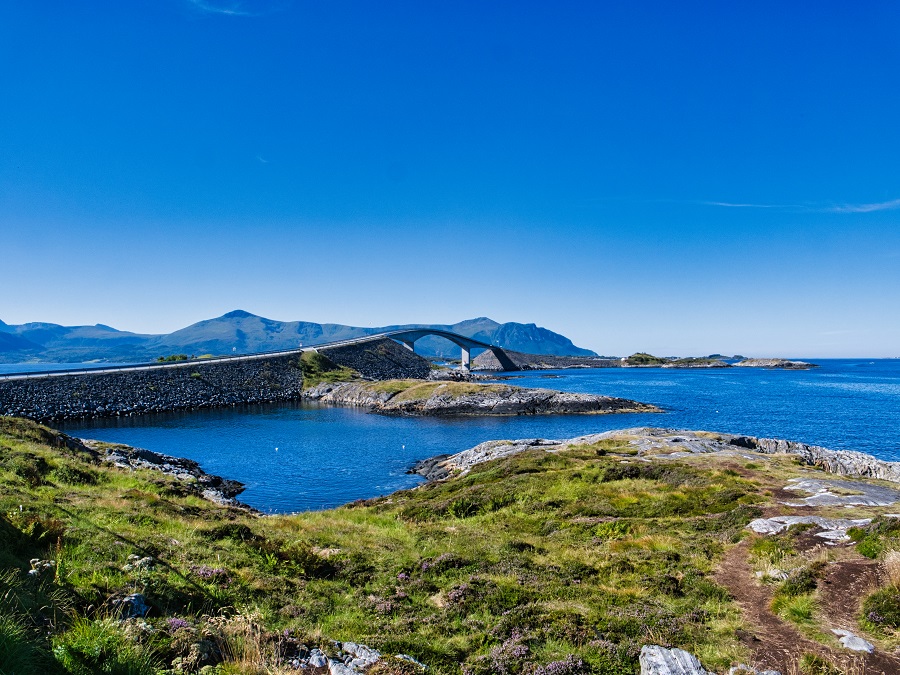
(329, 455)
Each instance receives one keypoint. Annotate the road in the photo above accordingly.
(397, 334)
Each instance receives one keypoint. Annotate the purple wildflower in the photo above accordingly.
(177, 624)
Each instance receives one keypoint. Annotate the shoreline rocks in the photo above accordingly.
(784, 364)
(189, 474)
(488, 362)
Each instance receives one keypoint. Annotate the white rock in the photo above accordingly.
(338, 668)
(656, 660)
(317, 658)
(852, 642)
(835, 528)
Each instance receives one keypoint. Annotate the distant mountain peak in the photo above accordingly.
(243, 332)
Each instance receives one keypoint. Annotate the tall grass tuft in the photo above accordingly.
(101, 646)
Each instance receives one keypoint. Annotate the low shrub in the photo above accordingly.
(882, 608)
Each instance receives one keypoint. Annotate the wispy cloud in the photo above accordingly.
(235, 7)
(889, 205)
(738, 205)
(262, 160)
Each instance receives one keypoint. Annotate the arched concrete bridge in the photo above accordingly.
(406, 337)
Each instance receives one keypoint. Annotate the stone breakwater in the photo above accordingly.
(382, 360)
(194, 385)
(438, 399)
(487, 361)
(668, 443)
(139, 392)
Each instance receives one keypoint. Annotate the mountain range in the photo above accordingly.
(242, 332)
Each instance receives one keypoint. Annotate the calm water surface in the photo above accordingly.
(306, 456)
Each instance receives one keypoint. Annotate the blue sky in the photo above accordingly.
(681, 178)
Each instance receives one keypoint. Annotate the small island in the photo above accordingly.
(421, 397)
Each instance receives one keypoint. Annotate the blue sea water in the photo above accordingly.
(307, 456)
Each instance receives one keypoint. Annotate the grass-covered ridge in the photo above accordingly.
(533, 559)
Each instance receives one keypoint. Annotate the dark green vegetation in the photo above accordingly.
(174, 357)
(318, 368)
(529, 560)
(881, 609)
(643, 359)
(696, 362)
(880, 535)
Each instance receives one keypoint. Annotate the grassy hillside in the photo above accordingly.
(537, 563)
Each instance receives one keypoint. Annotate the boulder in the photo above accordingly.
(656, 660)
(853, 642)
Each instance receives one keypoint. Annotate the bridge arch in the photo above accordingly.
(408, 339)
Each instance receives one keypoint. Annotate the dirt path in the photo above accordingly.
(775, 643)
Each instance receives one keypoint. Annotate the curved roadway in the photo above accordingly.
(461, 340)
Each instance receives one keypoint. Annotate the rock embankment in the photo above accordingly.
(411, 397)
(487, 361)
(138, 392)
(382, 360)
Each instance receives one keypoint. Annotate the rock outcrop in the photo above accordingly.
(672, 443)
(451, 398)
(832, 529)
(841, 462)
(188, 472)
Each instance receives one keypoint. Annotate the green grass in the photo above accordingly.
(318, 368)
(546, 555)
(798, 609)
(418, 390)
